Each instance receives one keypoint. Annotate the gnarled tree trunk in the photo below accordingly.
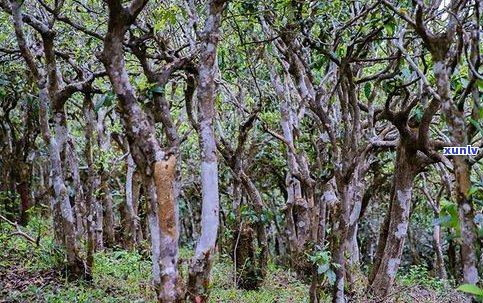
(90, 180)
(53, 98)
(156, 166)
(130, 218)
(200, 267)
(455, 118)
(106, 221)
(395, 226)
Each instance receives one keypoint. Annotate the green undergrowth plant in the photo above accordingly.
(30, 256)
(123, 272)
(118, 275)
(34, 274)
(419, 275)
(325, 267)
(279, 285)
(471, 289)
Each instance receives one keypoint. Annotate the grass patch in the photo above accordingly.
(280, 285)
(34, 274)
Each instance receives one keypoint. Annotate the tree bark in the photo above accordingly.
(130, 220)
(75, 188)
(107, 221)
(256, 199)
(394, 231)
(23, 190)
(438, 251)
(91, 177)
(247, 276)
(48, 88)
(200, 267)
(155, 165)
(416, 260)
(466, 221)
(339, 244)
(136, 196)
(455, 118)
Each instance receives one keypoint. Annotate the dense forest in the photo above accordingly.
(241, 151)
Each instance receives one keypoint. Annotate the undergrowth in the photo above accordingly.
(35, 274)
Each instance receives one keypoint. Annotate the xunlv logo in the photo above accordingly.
(461, 151)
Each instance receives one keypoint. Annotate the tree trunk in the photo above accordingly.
(136, 197)
(163, 229)
(99, 217)
(346, 216)
(75, 188)
(129, 222)
(339, 244)
(247, 275)
(256, 199)
(62, 211)
(155, 165)
(416, 260)
(456, 121)
(452, 262)
(314, 291)
(89, 188)
(200, 267)
(22, 171)
(438, 251)
(466, 220)
(353, 247)
(23, 190)
(61, 198)
(108, 222)
(393, 234)
(108, 214)
(48, 88)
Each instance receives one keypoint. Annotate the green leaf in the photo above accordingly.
(157, 89)
(322, 268)
(471, 289)
(390, 27)
(477, 125)
(330, 277)
(473, 189)
(367, 89)
(479, 82)
(105, 101)
(119, 254)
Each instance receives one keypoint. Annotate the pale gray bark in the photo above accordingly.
(61, 197)
(439, 263)
(75, 187)
(91, 183)
(106, 221)
(301, 215)
(131, 219)
(200, 267)
(394, 230)
(443, 47)
(136, 196)
(52, 97)
(147, 154)
(457, 126)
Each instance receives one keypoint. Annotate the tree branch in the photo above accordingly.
(19, 232)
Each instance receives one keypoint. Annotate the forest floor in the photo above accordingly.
(32, 274)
